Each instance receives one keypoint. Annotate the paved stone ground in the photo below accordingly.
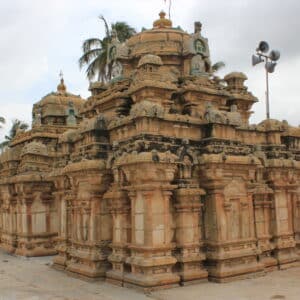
(34, 279)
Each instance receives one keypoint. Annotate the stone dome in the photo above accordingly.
(61, 97)
(150, 59)
(35, 148)
(161, 40)
(235, 75)
(235, 80)
(57, 103)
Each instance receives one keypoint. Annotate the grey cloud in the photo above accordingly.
(238, 28)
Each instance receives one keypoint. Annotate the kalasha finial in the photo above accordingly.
(61, 88)
(162, 22)
(162, 15)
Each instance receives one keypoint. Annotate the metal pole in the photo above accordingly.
(267, 92)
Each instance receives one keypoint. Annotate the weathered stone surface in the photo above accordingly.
(157, 179)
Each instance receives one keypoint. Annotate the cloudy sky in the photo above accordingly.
(41, 37)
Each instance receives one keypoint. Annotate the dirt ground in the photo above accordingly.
(34, 279)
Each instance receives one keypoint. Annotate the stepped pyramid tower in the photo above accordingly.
(157, 179)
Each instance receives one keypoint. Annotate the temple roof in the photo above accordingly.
(55, 103)
(150, 41)
(61, 96)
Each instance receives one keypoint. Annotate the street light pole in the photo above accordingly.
(267, 93)
(270, 63)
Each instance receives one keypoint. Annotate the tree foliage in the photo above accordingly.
(94, 50)
(16, 125)
(217, 66)
(2, 121)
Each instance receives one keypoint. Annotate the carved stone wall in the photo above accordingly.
(157, 179)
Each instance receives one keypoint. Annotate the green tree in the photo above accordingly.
(124, 31)
(217, 66)
(16, 125)
(95, 50)
(2, 121)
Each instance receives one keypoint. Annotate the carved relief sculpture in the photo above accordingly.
(157, 179)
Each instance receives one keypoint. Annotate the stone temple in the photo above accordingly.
(157, 179)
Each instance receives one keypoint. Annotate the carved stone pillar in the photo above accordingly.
(9, 229)
(64, 199)
(151, 258)
(25, 224)
(35, 236)
(283, 235)
(88, 247)
(214, 220)
(231, 243)
(189, 239)
(1, 215)
(262, 204)
(296, 219)
(120, 209)
(88, 243)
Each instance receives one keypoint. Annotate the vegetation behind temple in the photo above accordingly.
(95, 50)
(16, 126)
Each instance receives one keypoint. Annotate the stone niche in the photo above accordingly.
(157, 180)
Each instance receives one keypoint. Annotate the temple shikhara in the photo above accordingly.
(157, 179)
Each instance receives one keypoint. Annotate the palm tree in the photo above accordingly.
(2, 121)
(95, 50)
(16, 125)
(124, 31)
(217, 66)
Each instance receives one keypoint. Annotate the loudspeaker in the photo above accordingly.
(263, 47)
(256, 60)
(274, 55)
(270, 66)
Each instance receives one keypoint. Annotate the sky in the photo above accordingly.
(41, 37)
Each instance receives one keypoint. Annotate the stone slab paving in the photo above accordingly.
(34, 279)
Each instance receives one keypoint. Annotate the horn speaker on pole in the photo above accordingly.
(256, 60)
(263, 47)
